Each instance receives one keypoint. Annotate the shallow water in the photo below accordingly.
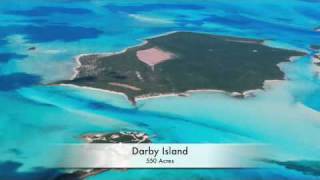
(34, 116)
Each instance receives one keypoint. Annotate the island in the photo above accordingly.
(120, 137)
(179, 62)
(117, 137)
(32, 48)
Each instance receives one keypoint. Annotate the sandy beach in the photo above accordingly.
(153, 96)
(268, 84)
(78, 60)
(94, 89)
(294, 58)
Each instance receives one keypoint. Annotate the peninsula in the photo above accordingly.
(181, 61)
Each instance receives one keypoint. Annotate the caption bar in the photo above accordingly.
(163, 156)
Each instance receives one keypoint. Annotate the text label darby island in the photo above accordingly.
(153, 152)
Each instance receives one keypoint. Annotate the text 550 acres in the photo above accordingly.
(159, 161)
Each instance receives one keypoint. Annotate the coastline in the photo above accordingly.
(133, 101)
(77, 66)
(268, 84)
(94, 89)
(293, 59)
(245, 94)
(78, 57)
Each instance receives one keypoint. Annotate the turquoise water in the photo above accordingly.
(34, 116)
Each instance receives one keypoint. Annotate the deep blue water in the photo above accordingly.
(51, 32)
(17, 80)
(47, 11)
(34, 116)
(5, 57)
(10, 171)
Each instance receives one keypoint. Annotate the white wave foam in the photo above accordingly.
(152, 20)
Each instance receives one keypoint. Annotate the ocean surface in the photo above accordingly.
(33, 116)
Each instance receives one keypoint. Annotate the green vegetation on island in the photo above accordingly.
(196, 62)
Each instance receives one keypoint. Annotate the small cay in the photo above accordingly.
(117, 137)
